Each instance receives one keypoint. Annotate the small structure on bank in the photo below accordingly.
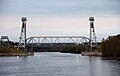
(4, 42)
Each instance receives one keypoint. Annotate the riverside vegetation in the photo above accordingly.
(111, 47)
(11, 50)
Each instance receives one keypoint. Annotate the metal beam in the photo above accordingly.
(57, 39)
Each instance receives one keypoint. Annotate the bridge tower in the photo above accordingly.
(22, 38)
(93, 41)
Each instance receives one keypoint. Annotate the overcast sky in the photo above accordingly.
(59, 17)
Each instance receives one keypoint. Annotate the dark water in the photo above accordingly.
(58, 64)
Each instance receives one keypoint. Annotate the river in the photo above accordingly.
(58, 64)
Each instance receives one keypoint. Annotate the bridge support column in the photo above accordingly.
(31, 49)
(22, 40)
(92, 42)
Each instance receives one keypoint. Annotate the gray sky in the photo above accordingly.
(59, 17)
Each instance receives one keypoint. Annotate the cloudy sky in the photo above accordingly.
(59, 17)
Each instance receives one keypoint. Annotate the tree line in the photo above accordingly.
(111, 47)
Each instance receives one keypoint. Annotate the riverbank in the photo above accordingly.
(99, 54)
(91, 53)
(12, 51)
(20, 55)
(13, 55)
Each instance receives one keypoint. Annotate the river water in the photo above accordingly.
(58, 64)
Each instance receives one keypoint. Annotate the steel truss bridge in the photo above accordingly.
(48, 41)
(40, 40)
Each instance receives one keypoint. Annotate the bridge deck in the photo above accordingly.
(58, 37)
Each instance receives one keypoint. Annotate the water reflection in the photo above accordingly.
(58, 64)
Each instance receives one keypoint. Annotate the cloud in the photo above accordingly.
(59, 17)
(64, 25)
(60, 7)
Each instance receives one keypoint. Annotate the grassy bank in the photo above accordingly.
(12, 51)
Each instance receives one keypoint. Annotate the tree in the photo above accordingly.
(111, 47)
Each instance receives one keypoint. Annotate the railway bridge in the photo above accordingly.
(57, 41)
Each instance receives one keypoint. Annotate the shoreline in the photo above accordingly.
(13, 55)
(91, 54)
(96, 54)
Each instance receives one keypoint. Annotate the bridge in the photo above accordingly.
(55, 41)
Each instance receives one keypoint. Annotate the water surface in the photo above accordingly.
(58, 64)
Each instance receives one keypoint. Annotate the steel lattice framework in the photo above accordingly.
(39, 40)
(22, 38)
